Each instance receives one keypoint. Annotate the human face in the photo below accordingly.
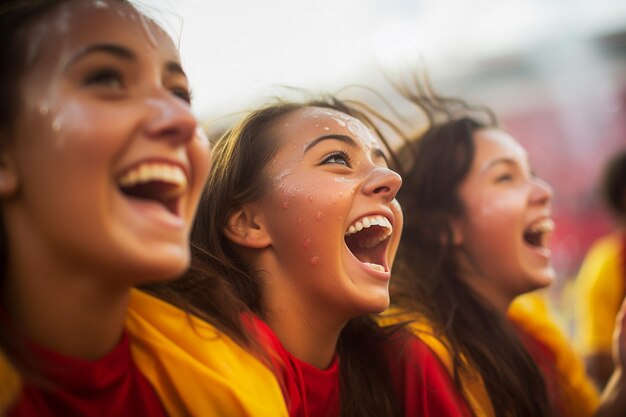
(505, 231)
(108, 158)
(331, 213)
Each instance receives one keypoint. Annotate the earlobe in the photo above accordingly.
(245, 228)
(8, 172)
(457, 233)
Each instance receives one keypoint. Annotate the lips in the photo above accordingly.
(160, 182)
(367, 238)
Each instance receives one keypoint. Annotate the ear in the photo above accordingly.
(8, 171)
(246, 228)
(457, 232)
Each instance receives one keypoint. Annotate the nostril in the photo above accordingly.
(383, 189)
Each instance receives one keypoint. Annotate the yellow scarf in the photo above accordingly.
(194, 368)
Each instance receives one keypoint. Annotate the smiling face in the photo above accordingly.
(504, 235)
(106, 156)
(330, 213)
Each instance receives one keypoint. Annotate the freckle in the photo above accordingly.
(318, 216)
(310, 198)
(285, 205)
(314, 260)
(306, 243)
(300, 220)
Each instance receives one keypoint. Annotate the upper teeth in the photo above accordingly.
(154, 171)
(546, 225)
(366, 222)
(369, 221)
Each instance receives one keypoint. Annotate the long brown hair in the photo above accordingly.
(239, 159)
(426, 274)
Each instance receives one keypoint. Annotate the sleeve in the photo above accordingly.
(599, 292)
(425, 384)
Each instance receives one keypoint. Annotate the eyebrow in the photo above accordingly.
(122, 52)
(503, 160)
(342, 138)
(111, 49)
(376, 152)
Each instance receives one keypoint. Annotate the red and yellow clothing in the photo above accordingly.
(194, 369)
(420, 381)
(308, 391)
(110, 386)
(570, 390)
(600, 289)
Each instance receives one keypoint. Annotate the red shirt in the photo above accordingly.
(308, 391)
(421, 380)
(546, 362)
(110, 386)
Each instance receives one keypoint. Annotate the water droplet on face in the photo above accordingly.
(315, 260)
(100, 4)
(310, 198)
(285, 205)
(56, 125)
(300, 220)
(318, 215)
(326, 128)
(44, 109)
(317, 125)
(306, 243)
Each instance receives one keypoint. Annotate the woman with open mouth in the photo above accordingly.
(477, 235)
(299, 216)
(101, 169)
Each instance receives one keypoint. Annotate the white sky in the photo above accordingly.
(236, 52)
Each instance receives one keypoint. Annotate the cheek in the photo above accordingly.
(313, 217)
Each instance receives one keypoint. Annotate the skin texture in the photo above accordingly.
(502, 199)
(105, 93)
(313, 284)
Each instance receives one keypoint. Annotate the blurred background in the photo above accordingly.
(554, 72)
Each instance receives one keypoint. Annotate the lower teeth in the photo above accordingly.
(375, 267)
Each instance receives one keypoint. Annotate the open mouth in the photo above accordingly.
(160, 182)
(538, 234)
(367, 239)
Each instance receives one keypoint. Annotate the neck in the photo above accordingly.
(69, 311)
(492, 294)
(307, 330)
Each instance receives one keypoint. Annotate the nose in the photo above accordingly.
(170, 119)
(541, 192)
(382, 182)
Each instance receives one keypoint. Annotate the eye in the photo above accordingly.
(504, 178)
(338, 158)
(105, 77)
(182, 93)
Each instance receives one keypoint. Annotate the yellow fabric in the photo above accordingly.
(10, 384)
(195, 369)
(599, 293)
(531, 314)
(471, 382)
(578, 394)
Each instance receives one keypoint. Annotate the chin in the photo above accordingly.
(160, 268)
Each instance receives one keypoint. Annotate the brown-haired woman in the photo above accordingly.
(101, 169)
(478, 226)
(299, 216)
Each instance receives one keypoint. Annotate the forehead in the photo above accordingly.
(306, 124)
(494, 143)
(76, 24)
